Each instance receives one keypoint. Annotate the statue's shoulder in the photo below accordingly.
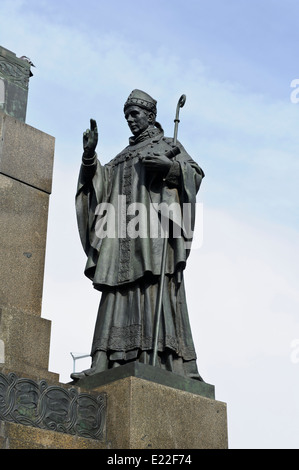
(168, 140)
(170, 143)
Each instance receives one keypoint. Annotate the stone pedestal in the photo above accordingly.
(148, 408)
(131, 407)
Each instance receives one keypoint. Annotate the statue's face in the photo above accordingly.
(138, 119)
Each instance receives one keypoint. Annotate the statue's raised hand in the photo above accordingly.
(90, 140)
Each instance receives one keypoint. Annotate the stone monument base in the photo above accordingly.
(140, 412)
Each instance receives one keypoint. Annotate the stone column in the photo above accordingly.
(26, 164)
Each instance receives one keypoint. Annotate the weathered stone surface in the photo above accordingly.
(26, 339)
(17, 436)
(23, 228)
(2, 352)
(26, 153)
(164, 418)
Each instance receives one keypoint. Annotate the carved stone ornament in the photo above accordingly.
(54, 408)
(14, 72)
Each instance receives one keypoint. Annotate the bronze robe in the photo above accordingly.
(126, 269)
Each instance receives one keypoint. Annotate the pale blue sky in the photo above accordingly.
(235, 60)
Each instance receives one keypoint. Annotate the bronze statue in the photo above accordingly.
(118, 206)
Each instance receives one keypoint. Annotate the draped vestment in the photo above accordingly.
(117, 205)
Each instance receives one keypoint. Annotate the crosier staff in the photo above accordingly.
(174, 152)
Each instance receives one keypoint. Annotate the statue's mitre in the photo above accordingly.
(141, 99)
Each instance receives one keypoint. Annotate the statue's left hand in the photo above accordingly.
(157, 162)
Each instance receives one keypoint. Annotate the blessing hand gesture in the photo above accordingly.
(90, 139)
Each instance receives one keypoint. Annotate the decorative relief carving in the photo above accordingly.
(55, 408)
(14, 72)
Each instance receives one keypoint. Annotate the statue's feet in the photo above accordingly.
(79, 375)
(99, 364)
(196, 377)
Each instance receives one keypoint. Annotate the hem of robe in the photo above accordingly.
(127, 315)
(167, 360)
